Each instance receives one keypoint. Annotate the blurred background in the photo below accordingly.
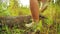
(13, 8)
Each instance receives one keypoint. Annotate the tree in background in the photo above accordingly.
(3, 8)
(14, 7)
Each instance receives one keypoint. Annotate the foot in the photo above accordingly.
(29, 25)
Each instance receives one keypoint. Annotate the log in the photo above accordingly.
(11, 21)
(19, 21)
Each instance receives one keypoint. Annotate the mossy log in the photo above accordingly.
(19, 21)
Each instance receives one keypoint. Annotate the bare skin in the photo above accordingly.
(34, 7)
(35, 11)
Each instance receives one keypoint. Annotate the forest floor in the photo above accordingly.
(16, 25)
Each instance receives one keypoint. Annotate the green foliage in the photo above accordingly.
(52, 12)
(58, 2)
(13, 9)
(16, 10)
(25, 11)
(3, 9)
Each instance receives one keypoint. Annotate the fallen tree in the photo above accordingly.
(20, 21)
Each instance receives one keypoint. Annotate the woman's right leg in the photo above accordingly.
(34, 7)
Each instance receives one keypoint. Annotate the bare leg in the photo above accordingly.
(34, 7)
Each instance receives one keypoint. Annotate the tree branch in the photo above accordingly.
(44, 8)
